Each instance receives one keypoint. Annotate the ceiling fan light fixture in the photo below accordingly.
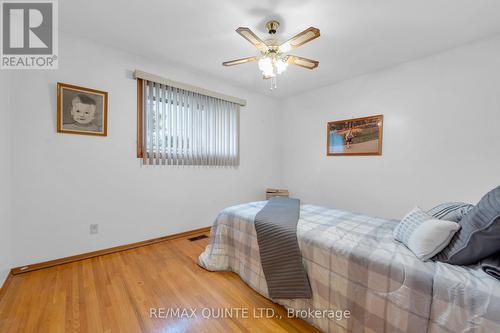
(266, 66)
(272, 60)
(272, 65)
(281, 65)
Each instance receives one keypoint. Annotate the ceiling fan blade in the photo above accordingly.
(252, 38)
(302, 62)
(239, 61)
(266, 77)
(300, 39)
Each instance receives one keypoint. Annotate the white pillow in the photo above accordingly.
(423, 234)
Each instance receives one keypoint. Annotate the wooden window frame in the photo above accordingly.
(140, 103)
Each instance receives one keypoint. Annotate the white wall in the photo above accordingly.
(441, 135)
(441, 142)
(65, 182)
(5, 221)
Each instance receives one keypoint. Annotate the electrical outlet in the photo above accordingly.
(94, 229)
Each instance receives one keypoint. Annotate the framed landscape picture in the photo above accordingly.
(359, 136)
(81, 110)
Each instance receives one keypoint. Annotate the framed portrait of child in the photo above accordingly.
(81, 110)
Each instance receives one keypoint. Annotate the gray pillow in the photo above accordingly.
(424, 235)
(451, 211)
(479, 236)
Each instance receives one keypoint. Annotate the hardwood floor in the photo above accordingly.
(117, 293)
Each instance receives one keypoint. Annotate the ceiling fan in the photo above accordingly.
(273, 59)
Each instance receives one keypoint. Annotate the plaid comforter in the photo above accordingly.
(354, 264)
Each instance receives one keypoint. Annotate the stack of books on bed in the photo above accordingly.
(275, 192)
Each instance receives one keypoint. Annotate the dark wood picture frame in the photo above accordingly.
(360, 125)
(60, 104)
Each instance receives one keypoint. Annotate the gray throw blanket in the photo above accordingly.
(281, 259)
(491, 265)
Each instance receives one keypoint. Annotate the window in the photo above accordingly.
(185, 127)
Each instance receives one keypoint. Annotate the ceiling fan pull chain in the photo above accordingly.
(274, 84)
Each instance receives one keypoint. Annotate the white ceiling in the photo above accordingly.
(357, 36)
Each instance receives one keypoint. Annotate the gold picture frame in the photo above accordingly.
(81, 110)
(355, 137)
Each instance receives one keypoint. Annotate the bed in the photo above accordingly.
(354, 265)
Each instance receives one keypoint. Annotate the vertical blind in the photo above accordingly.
(182, 127)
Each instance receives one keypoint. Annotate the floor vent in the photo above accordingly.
(192, 239)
